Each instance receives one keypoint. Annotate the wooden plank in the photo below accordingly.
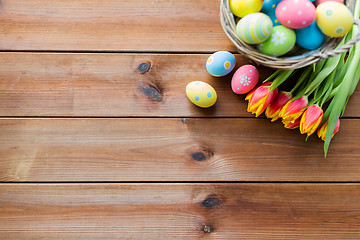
(179, 211)
(33, 84)
(63, 150)
(113, 25)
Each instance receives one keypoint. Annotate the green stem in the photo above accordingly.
(303, 76)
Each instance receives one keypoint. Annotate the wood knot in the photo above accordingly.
(207, 229)
(144, 67)
(202, 154)
(211, 202)
(152, 92)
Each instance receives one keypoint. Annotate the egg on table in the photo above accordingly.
(281, 41)
(201, 94)
(269, 7)
(254, 28)
(244, 79)
(310, 37)
(295, 14)
(220, 63)
(241, 8)
(334, 19)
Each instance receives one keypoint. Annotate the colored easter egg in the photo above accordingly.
(244, 79)
(241, 8)
(269, 7)
(310, 37)
(334, 19)
(220, 63)
(281, 41)
(201, 94)
(295, 13)
(318, 2)
(254, 28)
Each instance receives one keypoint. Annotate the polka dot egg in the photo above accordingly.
(295, 13)
(254, 28)
(244, 79)
(269, 7)
(201, 94)
(241, 8)
(220, 63)
(334, 19)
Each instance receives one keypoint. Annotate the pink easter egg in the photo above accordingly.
(244, 79)
(318, 2)
(295, 14)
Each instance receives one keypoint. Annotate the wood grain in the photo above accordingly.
(112, 25)
(37, 84)
(71, 150)
(179, 211)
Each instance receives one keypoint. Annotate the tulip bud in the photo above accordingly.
(260, 98)
(273, 110)
(293, 109)
(321, 132)
(311, 119)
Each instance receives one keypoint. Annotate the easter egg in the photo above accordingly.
(201, 94)
(220, 63)
(334, 19)
(295, 13)
(244, 79)
(254, 28)
(241, 8)
(318, 2)
(310, 37)
(281, 41)
(269, 7)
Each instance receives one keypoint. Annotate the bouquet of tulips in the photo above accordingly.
(329, 83)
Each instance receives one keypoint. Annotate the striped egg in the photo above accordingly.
(254, 28)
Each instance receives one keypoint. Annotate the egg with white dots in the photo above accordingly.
(245, 79)
(201, 94)
(295, 14)
(220, 63)
(269, 7)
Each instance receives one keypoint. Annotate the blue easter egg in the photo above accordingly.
(269, 7)
(310, 37)
(220, 63)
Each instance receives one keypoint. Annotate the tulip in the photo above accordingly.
(293, 109)
(311, 119)
(321, 132)
(292, 125)
(260, 98)
(273, 110)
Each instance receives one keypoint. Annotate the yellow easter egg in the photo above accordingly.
(334, 19)
(201, 94)
(241, 8)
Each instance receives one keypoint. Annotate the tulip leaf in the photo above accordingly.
(346, 87)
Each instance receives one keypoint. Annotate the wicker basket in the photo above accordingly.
(298, 58)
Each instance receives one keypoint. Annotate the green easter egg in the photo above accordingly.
(281, 41)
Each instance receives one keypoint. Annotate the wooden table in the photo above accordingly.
(98, 139)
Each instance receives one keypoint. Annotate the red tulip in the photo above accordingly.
(292, 125)
(260, 98)
(321, 132)
(273, 110)
(311, 119)
(293, 109)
